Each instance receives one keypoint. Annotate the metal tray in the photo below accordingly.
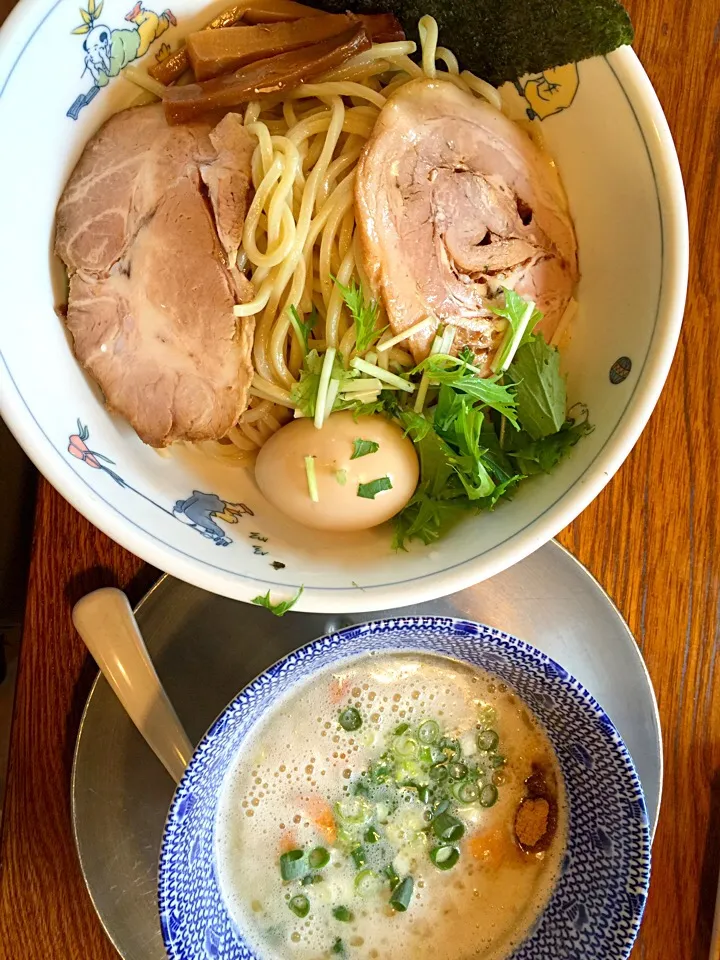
(206, 648)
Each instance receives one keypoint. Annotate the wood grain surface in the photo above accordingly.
(651, 539)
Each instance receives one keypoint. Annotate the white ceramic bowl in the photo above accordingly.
(621, 173)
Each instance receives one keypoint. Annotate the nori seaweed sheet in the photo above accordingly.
(501, 40)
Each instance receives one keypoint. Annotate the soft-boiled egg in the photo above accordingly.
(351, 474)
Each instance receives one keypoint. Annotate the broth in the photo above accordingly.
(370, 798)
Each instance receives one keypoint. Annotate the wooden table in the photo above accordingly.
(652, 539)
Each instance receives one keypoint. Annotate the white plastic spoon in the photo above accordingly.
(105, 621)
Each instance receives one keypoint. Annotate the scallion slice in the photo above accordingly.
(292, 864)
(323, 386)
(358, 857)
(487, 740)
(448, 828)
(401, 895)
(318, 858)
(488, 795)
(367, 883)
(428, 732)
(300, 905)
(343, 914)
(338, 947)
(405, 747)
(468, 792)
(444, 857)
(350, 719)
(371, 835)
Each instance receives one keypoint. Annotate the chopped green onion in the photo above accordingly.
(292, 864)
(497, 760)
(488, 795)
(441, 807)
(428, 732)
(338, 947)
(394, 879)
(311, 479)
(487, 715)
(405, 747)
(446, 827)
(487, 740)
(300, 905)
(323, 386)
(333, 388)
(358, 858)
(438, 772)
(370, 490)
(445, 857)
(401, 728)
(343, 914)
(371, 835)
(350, 719)
(341, 477)
(311, 878)
(457, 771)
(362, 448)
(468, 792)
(401, 895)
(423, 792)
(367, 883)
(374, 371)
(318, 858)
(353, 810)
(451, 748)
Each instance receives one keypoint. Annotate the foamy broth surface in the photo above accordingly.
(300, 763)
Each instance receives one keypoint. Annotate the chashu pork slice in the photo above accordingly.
(151, 289)
(454, 201)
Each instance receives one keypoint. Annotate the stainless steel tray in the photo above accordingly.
(206, 648)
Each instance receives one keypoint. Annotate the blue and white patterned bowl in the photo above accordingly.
(596, 908)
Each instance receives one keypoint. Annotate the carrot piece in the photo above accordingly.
(263, 78)
(339, 689)
(320, 812)
(492, 847)
(288, 841)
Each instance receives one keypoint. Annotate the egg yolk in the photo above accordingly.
(352, 474)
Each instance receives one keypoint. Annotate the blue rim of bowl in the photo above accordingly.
(464, 627)
(155, 549)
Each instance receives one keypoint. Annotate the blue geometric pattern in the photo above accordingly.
(597, 905)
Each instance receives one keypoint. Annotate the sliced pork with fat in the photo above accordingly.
(151, 296)
(453, 202)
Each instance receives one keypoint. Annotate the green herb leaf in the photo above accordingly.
(361, 448)
(521, 322)
(364, 314)
(539, 388)
(487, 390)
(540, 456)
(281, 608)
(303, 328)
(371, 489)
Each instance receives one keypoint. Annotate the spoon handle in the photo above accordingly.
(105, 621)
